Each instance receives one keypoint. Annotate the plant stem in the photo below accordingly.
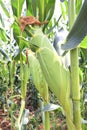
(71, 12)
(20, 114)
(12, 67)
(47, 119)
(75, 88)
(21, 76)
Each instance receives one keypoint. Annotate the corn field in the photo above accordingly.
(43, 65)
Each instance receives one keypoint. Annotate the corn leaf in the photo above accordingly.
(3, 36)
(49, 9)
(64, 9)
(17, 56)
(4, 9)
(1, 20)
(17, 32)
(83, 44)
(37, 76)
(84, 53)
(43, 9)
(78, 31)
(35, 8)
(17, 7)
(50, 107)
(29, 7)
(78, 5)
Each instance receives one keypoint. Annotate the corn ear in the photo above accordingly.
(58, 79)
(56, 75)
(37, 76)
(40, 40)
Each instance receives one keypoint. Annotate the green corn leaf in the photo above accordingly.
(29, 7)
(56, 23)
(35, 7)
(26, 74)
(16, 31)
(64, 9)
(78, 5)
(3, 36)
(17, 37)
(12, 70)
(4, 9)
(43, 9)
(49, 9)
(17, 7)
(83, 44)
(78, 31)
(84, 53)
(50, 107)
(17, 56)
(1, 20)
(25, 77)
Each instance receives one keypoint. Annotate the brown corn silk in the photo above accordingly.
(29, 20)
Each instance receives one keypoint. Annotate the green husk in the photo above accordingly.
(40, 84)
(40, 40)
(58, 79)
(55, 73)
(37, 76)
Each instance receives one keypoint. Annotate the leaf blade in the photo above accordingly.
(78, 31)
(17, 7)
(4, 9)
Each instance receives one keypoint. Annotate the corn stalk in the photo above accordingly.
(24, 75)
(75, 88)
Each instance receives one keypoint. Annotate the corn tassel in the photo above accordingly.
(58, 79)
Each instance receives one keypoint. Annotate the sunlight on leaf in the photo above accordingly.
(83, 44)
(4, 9)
